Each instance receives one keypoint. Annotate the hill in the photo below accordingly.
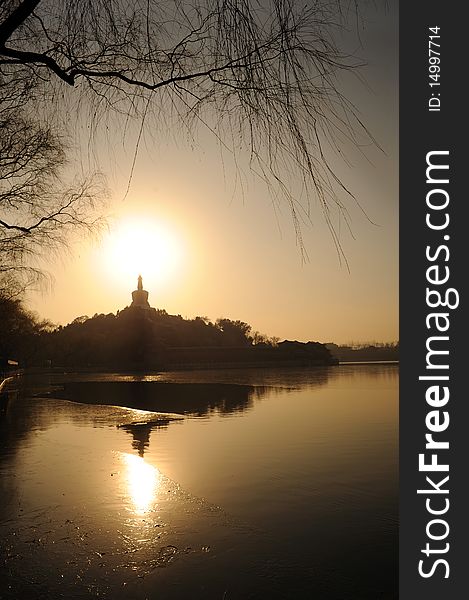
(137, 338)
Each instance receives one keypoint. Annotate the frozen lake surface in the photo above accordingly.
(229, 484)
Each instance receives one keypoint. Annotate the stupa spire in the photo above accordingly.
(140, 296)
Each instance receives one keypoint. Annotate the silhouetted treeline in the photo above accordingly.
(136, 336)
(365, 352)
(153, 339)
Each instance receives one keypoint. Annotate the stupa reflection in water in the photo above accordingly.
(141, 435)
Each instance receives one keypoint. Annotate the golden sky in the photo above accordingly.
(207, 245)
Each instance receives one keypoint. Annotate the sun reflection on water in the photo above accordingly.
(143, 481)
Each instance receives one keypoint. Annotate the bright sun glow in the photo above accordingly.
(142, 247)
(143, 480)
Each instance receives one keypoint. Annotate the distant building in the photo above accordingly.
(140, 296)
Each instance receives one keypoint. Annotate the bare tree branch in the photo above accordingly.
(261, 75)
(39, 212)
(16, 18)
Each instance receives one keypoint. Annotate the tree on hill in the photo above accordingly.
(235, 333)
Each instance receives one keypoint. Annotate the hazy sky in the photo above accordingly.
(205, 248)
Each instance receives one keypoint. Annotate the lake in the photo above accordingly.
(236, 484)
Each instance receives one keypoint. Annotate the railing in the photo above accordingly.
(9, 372)
(8, 368)
(5, 383)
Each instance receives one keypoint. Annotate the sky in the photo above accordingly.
(207, 246)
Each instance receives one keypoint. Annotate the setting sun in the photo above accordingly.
(137, 246)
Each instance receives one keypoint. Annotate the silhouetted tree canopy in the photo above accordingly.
(261, 75)
(20, 331)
